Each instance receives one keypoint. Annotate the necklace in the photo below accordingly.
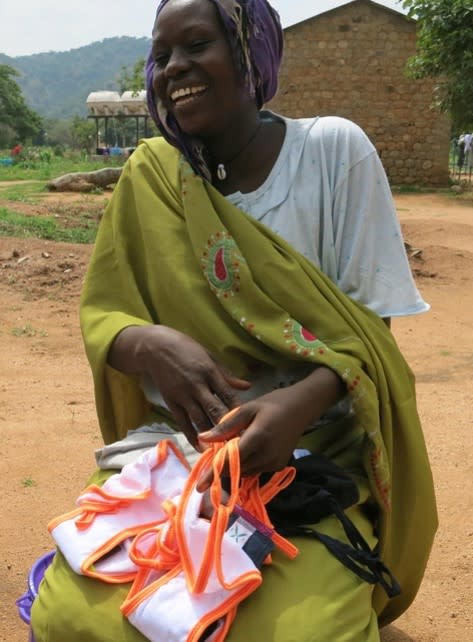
(221, 170)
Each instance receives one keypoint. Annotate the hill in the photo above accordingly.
(56, 84)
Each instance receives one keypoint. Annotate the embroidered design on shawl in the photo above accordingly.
(221, 262)
(301, 340)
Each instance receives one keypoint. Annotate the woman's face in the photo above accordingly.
(194, 73)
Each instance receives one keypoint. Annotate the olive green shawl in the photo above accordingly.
(172, 250)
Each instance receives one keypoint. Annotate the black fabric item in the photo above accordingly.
(302, 502)
(321, 488)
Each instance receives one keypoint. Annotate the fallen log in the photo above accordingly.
(85, 181)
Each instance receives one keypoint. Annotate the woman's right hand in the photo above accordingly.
(197, 390)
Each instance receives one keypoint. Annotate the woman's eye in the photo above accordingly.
(161, 59)
(198, 45)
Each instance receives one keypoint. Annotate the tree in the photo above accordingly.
(83, 134)
(133, 80)
(445, 52)
(17, 121)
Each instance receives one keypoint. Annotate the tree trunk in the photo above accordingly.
(85, 181)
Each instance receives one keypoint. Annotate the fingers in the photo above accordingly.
(252, 460)
(212, 409)
(205, 482)
(224, 385)
(229, 426)
(185, 425)
(239, 384)
(235, 382)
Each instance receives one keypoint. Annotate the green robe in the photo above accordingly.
(172, 250)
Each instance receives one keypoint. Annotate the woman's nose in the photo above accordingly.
(177, 63)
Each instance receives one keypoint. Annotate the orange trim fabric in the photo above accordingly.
(196, 575)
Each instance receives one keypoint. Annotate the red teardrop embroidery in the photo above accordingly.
(219, 265)
(308, 336)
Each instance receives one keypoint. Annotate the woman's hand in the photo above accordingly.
(270, 426)
(197, 390)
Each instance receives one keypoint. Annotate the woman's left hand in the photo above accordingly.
(270, 426)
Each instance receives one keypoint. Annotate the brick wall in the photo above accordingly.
(350, 62)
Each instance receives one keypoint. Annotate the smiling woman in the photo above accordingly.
(247, 262)
(228, 85)
(194, 76)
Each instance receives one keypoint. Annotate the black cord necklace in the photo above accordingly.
(221, 169)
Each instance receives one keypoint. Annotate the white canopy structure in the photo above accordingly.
(103, 103)
(110, 106)
(134, 103)
(110, 103)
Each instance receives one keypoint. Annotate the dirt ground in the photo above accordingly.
(49, 431)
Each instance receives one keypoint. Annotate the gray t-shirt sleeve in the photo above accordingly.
(372, 265)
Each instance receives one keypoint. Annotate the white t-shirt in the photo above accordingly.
(328, 196)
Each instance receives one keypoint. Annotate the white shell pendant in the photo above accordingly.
(221, 173)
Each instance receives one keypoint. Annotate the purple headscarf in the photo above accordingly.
(255, 35)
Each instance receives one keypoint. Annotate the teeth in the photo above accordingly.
(188, 91)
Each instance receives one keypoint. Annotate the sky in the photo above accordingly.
(36, 26)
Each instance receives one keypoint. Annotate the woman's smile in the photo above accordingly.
(180, 96)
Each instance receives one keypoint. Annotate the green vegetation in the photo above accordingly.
(27, 212)
(48, 227)
(17, 121)
(28, 331)
(445, 52)
(42, 163)
(132, 79)
(22, 192)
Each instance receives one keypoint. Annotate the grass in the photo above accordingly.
(465, 195)
(28, 482)
(56, 166)
(51, 228)
(22, 193)
(71, 222)
(28, 331)
(409, 189)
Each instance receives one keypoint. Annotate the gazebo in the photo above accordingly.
(108, 105)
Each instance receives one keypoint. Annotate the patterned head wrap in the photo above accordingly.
(254, 32)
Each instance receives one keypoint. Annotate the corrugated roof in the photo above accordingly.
(299, 10)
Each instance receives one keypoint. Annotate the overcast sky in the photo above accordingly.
(35, 26)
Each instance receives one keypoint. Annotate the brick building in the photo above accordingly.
(350, 62)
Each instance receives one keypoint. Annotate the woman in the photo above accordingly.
(249, 260)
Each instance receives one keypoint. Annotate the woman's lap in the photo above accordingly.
(310, 599)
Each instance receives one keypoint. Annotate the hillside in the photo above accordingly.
(56, 84)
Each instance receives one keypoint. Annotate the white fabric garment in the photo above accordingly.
(167, 608)
(174, 614)
(127, 503)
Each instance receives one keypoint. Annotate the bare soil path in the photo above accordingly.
(48, 427)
